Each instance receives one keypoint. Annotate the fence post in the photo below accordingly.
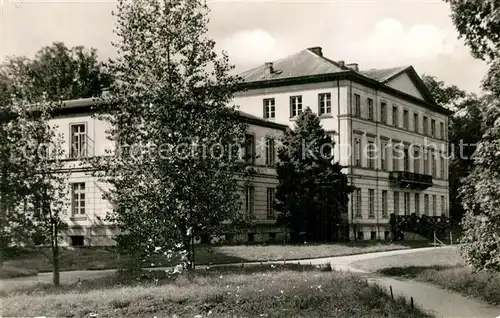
(392, 295)
(451, 238)
(434, 238)
(411, 301)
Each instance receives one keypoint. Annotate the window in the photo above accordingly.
(442, 167)
(443, 210)
(250, 148)
(371, 203)
(426, 204)
(415, 122)
(295, 105)
(426, 162)
(395, 159)
(78, 141)
(370, 109)
(406, 160)
(384, 203)
(357, 152)
(407, 203)
(358, 203)
(416, 160)
(77, 240)
(396, 202)
(417, 204)
(433, 163)
(357, 106)
(270, 152)
(250, 200)
(433, 128)
(406, 120)
(434, 205)
(426, 126)
(441, 131)
(383, 112)
(78, 198)
(360, 235)
(251, 237)
(272, 236)
(395, 121)
(387, 235)
(383, 157)
(270, 202)
(373, 235)
(372, 155)
(325, 103)
(269, 108)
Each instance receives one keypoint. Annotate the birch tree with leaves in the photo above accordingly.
(176, 172)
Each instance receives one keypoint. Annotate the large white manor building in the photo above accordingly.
(377, 107)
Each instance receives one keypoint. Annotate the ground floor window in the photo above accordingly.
(77, 240)
(386, 235)
(373, 235)
(251, 237)
(360, 235)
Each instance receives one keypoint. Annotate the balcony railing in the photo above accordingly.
(410, 179)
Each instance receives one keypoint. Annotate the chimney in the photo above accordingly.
(353, 66)
(269, 68)
(341, 64)
(316, 50)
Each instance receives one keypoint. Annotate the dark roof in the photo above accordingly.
(303, 63)
(261, 121)
(384, 74)
(310, 66)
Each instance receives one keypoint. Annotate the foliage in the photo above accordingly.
(423, 225)
(56, 73)
(446, 96)
(312, 192)
(34, 212)
(478, 22)
(170, 178)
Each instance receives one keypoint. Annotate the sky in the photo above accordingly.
(372, 33)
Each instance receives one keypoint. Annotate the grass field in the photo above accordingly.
(259, 291)
(90, 258)
(482, 285)
(436, 257)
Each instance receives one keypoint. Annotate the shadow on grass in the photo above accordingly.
(411, 272)
(157, 277)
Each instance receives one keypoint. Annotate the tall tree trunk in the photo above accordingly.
(192, 251)
(55, 255)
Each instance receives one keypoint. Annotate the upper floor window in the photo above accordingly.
(416, 160)
(325, 103)
(357, 106)
(78, 198)
(370, 109)
(384, 203)
(270, 152)
(371, 203)
(406, 120)
(442, 167)
(433, 128)
(395, 121)
(295, 105)
(441, 131)
(415, 122)
(406, 160)
(426, 126)
(78, 141)
(250, 148)
(269, 108)
(383, 112)
(384, 156)
(358, 203)
(371, 154)
(357, 152)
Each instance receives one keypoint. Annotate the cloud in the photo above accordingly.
(390, 41)
(251, 47)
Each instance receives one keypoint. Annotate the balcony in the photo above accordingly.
(410, 180)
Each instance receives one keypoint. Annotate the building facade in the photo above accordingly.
(390, 135)
(86, 136)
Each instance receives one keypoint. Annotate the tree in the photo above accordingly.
(34, 209)
(446, 96)
(56, 73)
(479, 23)
(176, 172)
(305, 170)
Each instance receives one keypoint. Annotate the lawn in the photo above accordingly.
(483, 285)
(441, 256)
(258, 291)
(89, 258)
